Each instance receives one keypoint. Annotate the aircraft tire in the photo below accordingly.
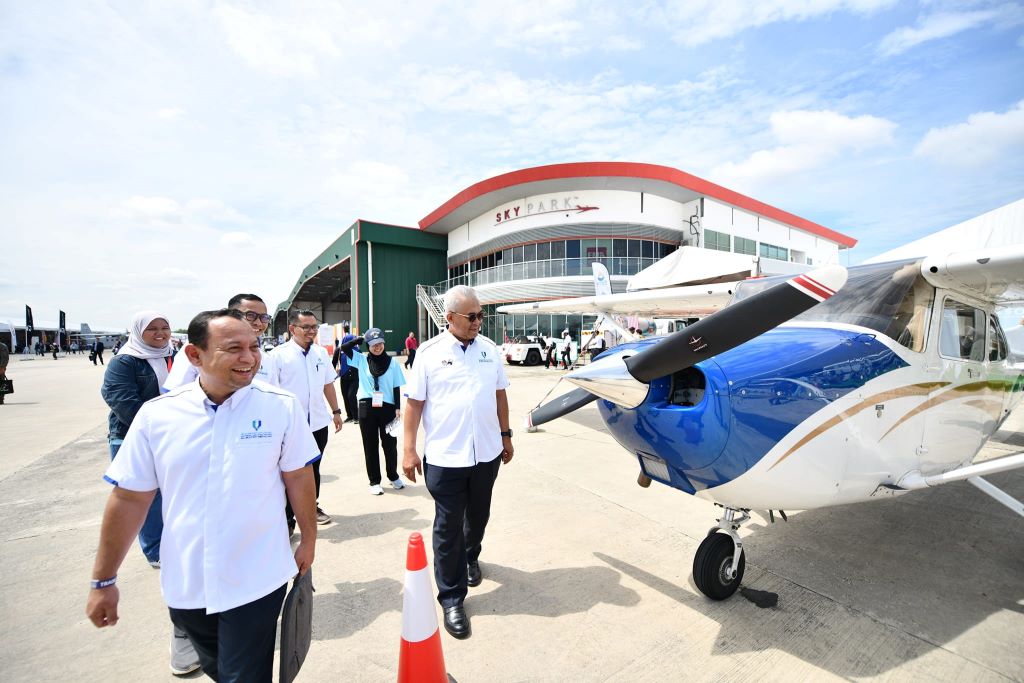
(532, 357)
(710, 564)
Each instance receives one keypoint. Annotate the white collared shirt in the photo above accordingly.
(305, 374)
(183, 372)
(460, 413)
(218, 468)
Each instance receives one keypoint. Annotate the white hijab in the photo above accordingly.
(156, 355)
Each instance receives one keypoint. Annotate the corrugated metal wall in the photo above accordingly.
(396, 272)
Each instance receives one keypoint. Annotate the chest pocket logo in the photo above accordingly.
(447, 362)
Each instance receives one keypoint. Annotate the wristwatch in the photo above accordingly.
(336, 412)
(508, 433)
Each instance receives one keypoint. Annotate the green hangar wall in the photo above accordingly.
(368, 277)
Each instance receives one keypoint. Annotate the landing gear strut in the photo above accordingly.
(719, 562)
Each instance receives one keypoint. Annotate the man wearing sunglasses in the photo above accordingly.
(255, 313)
(457, 387)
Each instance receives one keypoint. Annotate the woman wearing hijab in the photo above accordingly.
(133, 377)
(379, 404)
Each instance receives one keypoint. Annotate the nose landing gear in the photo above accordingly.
(719, 562)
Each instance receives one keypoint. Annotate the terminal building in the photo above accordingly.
(533, 234)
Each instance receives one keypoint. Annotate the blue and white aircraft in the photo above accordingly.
(832, 387)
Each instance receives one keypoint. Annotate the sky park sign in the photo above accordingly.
(567, 205)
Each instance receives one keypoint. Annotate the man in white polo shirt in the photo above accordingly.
(457, 387)
(225, 454)
(304, 368)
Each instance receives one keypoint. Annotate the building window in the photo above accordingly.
(772, 251)
(633, 248)
(572, 248)
(517, 254)
(742, 245)
(647, 249)
(543, 251)
(558, 249)
(619, 248)
(719, 241)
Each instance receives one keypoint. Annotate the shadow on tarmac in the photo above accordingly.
(348, 528)
(353, 607)
(933, 564)
(549, 592)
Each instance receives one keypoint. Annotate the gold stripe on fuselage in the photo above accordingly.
(922, 389)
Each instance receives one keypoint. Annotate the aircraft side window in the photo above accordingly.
(997, 346)
(909, 325)
(962, 334)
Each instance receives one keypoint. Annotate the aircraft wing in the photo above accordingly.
(681, 302)
(993, 273)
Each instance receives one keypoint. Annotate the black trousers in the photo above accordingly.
(349, 388)
(372, 422)
(320, 436)
(462, 506)
(238, 644)
(411, 358)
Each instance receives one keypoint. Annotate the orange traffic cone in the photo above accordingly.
(421, 659)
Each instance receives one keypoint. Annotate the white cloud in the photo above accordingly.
(808, 140)
(149, 209)
(696, 22)
(284, 46)
(237, 240)
(170, 113)
(933, 27)
(983, 138)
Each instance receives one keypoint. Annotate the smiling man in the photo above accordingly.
(225, 454)
(457, 388)
(255, 313)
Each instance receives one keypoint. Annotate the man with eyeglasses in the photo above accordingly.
(254, 311)
(457, 387)
(303, 368)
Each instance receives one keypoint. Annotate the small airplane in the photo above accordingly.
(830, 387)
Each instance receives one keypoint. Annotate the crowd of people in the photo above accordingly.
(216, 451)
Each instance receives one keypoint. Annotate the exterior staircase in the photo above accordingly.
(432, 301)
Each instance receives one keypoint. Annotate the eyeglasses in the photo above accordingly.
(471, 317)
(305, 328)
(252, 316)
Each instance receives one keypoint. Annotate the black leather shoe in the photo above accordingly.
(474, 576)
(456, 622)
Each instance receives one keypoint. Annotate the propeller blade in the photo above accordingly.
(736, 323)
(563, 405)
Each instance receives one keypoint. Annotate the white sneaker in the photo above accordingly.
(184, 659)
(397, 485)
(376, 490)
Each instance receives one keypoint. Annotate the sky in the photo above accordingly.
(166, 155)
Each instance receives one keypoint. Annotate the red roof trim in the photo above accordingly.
(627, 169)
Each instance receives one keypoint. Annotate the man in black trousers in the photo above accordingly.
(457, 388)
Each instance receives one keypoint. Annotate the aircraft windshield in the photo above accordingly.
(890, 298)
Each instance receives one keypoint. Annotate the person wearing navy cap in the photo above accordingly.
(379, 405)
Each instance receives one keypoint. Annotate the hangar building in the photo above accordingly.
(532, 234)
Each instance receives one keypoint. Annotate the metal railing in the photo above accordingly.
(430, 299)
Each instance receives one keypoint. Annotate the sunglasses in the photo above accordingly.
(471, 317)
(252, 316)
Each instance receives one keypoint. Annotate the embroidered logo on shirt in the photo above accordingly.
(446, 362)
(255, 433)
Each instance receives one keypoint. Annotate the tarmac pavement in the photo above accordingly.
(586, 575)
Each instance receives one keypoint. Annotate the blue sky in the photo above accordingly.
(168, 155)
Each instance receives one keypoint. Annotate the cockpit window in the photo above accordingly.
(890, 298)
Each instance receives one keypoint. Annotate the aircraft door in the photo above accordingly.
(951, 419)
